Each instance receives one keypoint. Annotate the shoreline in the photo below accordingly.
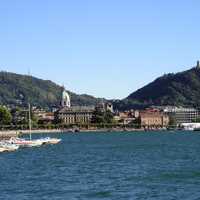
(16, 133)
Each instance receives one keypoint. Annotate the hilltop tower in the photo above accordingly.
(65, 102)
(198, 65)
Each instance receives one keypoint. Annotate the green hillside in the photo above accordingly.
(172, 89)
(18, 90)
(180, 89)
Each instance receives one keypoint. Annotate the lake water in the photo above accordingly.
(122, 166)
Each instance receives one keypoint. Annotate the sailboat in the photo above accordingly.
(41, 141)
(26, 142)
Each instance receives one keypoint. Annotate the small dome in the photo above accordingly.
(65, 99)
(65, 95)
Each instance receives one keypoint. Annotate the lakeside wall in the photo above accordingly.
(17, 133)
(8, 134)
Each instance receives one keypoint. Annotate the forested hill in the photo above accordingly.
(16, 89)
(180, 89)
(172, 89)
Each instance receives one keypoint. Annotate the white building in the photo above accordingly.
(181, 114)
(65, 102)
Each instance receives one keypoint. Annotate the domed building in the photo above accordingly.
(68, 114)
(65, 99)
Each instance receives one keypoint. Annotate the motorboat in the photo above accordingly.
(5, 146)
(54, 140)
(24, 142)
(48, 140)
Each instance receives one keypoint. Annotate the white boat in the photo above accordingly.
(5, 146)
(34, 143)
(49, 140)
(2, 149)
(21, 142)
(54, 140)
(190, 126)
(24, 142)
(41, 141)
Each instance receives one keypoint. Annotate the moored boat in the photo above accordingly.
(54, 140)
(25, 143)
(49, 140)
(2, 149)
(5, 146)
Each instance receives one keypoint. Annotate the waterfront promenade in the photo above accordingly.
(16, 133)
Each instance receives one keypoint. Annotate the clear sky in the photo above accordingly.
(106, 48)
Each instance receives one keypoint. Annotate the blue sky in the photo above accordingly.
(106, 48)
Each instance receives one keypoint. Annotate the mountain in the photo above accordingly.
(180, 89)
(18, 90)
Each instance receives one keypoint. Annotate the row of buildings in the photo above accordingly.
(152, 117)
(67, 114)
(160, 116)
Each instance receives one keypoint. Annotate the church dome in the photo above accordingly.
(65, 99)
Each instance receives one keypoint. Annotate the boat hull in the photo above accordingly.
(25, 143)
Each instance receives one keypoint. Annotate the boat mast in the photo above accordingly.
(29, 119)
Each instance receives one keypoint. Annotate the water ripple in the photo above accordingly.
(105, 166)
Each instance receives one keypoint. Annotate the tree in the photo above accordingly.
(136, 123)
(98, 116)
(172, 121)
(102, 117)
(197, 120)
(108, 117)
(5, 116)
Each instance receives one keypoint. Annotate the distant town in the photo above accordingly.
(101, 116)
